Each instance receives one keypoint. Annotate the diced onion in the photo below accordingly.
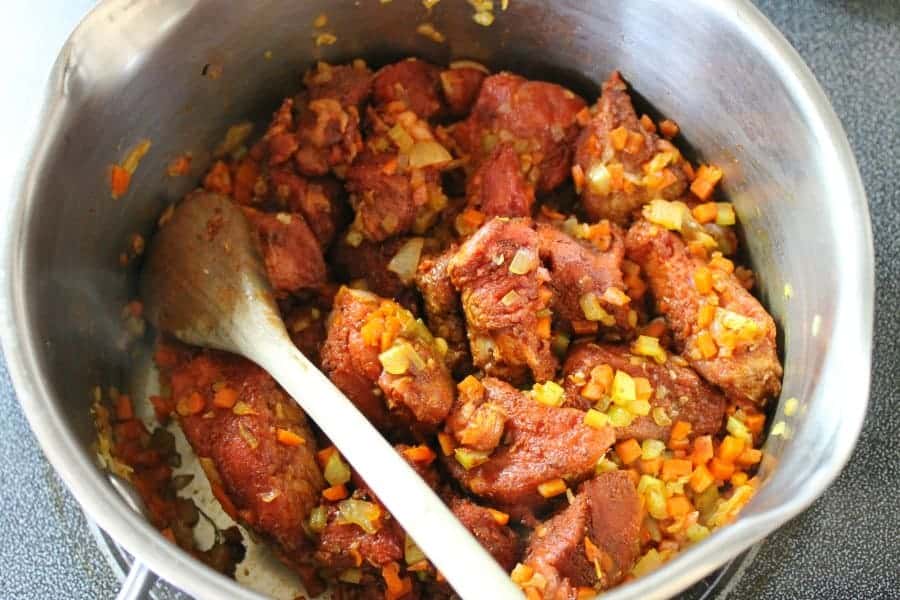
(269, 496)
(406, 261)
(670, 215)
(524, 261)
(395, 360)
(549, 393)
(596, 419)
(593, 311)
(427, 153)
(336, 471)
(469, 459)
(652, 449)
(649, 561)
(401, 138)
(604, 465)
(510, 298)
(661, 417)
(646, 345)
(619, 417)
(352, 575)
(318, 518)
(791, 406)
(599, 178)
(624, 390)
(411, 552)
(640, 408)
(361, 513)
(725, 214)
(738, 430)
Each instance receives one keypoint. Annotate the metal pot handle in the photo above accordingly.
(138, 583)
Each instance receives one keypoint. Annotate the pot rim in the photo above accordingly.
(852, 323)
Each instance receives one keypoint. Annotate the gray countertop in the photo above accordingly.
(847, 545)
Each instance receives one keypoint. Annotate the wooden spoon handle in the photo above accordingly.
(468, 567)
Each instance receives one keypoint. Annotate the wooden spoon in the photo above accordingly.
(204, 283)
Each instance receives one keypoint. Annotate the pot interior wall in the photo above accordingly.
(141, 76)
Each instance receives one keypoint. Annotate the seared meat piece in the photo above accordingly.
(539, 444)
(386, 361)
(608, 511)
(505, 299)
(461, 85)
(319, 128)
(581, 267)
(413, 82)
(676, 389)
(443, 310)
(497, 187)
(537, 118)
(321, 201)
(499, 540)
(345, 545)
(232, 413)
(368, 261)
(290, 250)
(725, 334)
(612, 152)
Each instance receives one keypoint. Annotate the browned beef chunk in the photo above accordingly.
(539, 444)
(745, 364)
(537, 118)
(581, 267)
(290, 250)
(499, 540)
(368, 261)
(413, 82)
(506, 300)
(416, 386)
(616, 183)
(607, 511)
(320, 201)
(461, 85)
(443, 309)
(497, 187)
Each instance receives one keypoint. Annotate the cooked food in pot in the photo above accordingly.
(538, 300)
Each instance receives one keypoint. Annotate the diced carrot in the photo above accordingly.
(603, 376)
(324, 454)
(585, 593)
(585, 327)
(180, 165)
(245, 180)
(701, 479)
(634, 143)
(500, 517)
(673, 468)
(422, 565)
(643, 389)
(688, 170)
(225, 397)
(420, 454)
(730, 448)
(552, 488)
(721, 263)
(698, 250)
(668, 128)
(390, 167)
(647, 124)
(703, 450)
(706, 345)
(720, 469)
(335, 492)
(533, 593)
(755, 422)
(119, 180)
(655, 328)
(583, 117)
(578, 178)
(629, 450)
(749, 457)
(680, 430)
(551, 213)
(162, 408)
(522, 573)
(739, 478)
(543, 328)
(289, 438)
(396, 586)
(678, 506)
(593, 391)
(667, 178)
(650, 466)
(706, 179)
(124, 409)
(705, 316)
(168, 534)
(446, 442)
(703, 280)
(190, 405)
(616, 175)
(470, 386)
(618, 137)
(705, 213)
(472, 217)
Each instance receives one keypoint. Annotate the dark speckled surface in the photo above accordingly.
(847, 545)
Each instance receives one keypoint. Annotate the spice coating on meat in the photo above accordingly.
(499, 540)
(751, 370)
(461, 86)
(497, 187)
(413, 82)
(506, 300)
(611, 153)
(538, 118)
(443, 309)
(540, 443)
(677, 390)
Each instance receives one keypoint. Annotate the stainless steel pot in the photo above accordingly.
(742, 96)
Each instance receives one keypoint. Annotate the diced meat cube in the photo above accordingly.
(497, 187)
(443, 309)
(413, 82)
(344, 545)
(607, 510)
(677, 390)
(499, 540)
(306, 326)
(230, 411)
(736, 348)
(461, 86)
(409, 383)
(540, 444)
(321, 201)
(368, 261)
(384, 201)
(506, 300)
(537, 118)
(290, 250)
(587, 273)
(624, 165)
(327, 118)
